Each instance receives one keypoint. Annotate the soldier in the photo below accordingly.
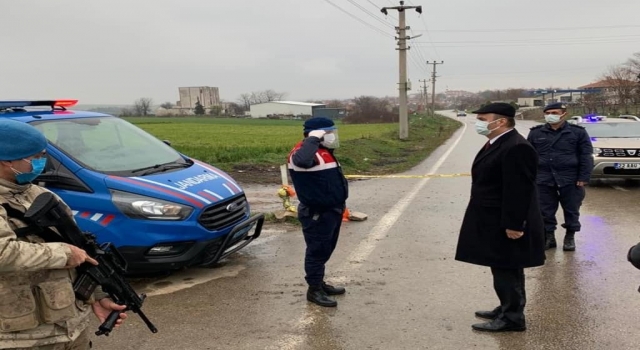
(38, 308)
(565, 164)
(323, 191)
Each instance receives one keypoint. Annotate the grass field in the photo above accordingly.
(259, 145)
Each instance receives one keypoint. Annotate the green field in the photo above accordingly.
(254, 144)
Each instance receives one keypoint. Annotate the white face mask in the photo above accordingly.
(330, 140)
(552, 118)
(482, 127)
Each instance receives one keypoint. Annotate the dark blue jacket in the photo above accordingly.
(565, 155)
(317, 176)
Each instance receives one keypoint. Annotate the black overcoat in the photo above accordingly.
(503, 196)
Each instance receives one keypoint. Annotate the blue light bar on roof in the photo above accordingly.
(49, 103)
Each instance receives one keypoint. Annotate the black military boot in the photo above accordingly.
(550, 240)
(569, 242)
(331, 290)
(317, 295)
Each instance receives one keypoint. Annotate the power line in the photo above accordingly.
(370, 13)
(532, 29)
(534, 44)
(426, 29)
(360, 20)
(546, 40)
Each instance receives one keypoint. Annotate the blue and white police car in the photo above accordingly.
(163, 210)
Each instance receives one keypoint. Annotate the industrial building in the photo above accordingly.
(207, 95)
(284, 108)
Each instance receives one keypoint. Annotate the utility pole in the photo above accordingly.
(433, 85)
(424, 93)
(402, 48)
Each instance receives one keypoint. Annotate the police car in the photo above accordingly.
(616, 146)
(163, 210)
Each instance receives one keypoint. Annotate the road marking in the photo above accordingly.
(405, 176)
(620, 188)
(366, 247)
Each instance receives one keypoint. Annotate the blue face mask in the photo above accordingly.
(37, 166)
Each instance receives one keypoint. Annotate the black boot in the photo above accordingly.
(317, 295)
(550, 240)
(331, 290)
(569, 242)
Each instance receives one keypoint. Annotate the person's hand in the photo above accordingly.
(514, 234)
(581, 183)
(317, 133)
(103, 307)
(78, 256)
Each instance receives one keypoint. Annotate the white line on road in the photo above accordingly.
(620, 188)
(366, 247)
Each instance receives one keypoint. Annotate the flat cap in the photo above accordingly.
(558, 105)
(19, 140)
(500, 108)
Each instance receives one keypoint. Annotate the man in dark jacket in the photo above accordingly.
(323, 191)
(566, 161)
(502, 227)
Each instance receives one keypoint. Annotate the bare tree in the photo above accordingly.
(335, 104)
(260, 97)
(167, 105)
(245, 101)
(622, 84)
(369, 109)
(142, 106)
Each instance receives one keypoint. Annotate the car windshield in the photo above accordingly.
(612, 130)
(108, 144)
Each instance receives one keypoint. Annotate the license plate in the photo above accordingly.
(243, 231)
(627, 165)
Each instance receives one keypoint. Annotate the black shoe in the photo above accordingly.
(498, 325)
(489, 315)
(550, 240)
(569, 242)
(331, 290)
(318, 296)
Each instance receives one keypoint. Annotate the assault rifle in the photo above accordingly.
(47, 211)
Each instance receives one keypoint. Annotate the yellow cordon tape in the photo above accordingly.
(405, 176)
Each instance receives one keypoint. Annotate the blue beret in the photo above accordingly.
(319, 123)
(558, 105)
(19, 140)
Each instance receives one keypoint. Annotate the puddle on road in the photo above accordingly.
(186, 279)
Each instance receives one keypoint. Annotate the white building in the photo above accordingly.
(283, 108)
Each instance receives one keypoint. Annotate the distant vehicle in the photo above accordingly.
(461, 114)
(616, 147)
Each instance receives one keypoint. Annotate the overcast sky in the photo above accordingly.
(115, 51)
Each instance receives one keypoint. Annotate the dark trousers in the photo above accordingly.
(321, 231)
(509, 286)
(570, 197)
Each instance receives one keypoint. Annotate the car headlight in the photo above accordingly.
(596, 151)
(142, 207)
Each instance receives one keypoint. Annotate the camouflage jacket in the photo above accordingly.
(37, 303)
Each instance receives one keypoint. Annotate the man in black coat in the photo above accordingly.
(565, 153)
(503, 227)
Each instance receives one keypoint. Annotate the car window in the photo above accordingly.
(107, 144)
(621, 130)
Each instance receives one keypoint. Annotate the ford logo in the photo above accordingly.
(232, 207)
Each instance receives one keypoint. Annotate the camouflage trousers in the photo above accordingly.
(81, 343)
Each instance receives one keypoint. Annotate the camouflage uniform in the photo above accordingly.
(38, 308)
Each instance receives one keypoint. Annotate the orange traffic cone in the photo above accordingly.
(345, 214)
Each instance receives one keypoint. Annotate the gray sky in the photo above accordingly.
(114, 51)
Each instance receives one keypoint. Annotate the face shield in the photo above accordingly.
(330, 139)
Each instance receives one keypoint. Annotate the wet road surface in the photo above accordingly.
(404, 290)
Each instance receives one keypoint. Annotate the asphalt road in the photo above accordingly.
(404, 290)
